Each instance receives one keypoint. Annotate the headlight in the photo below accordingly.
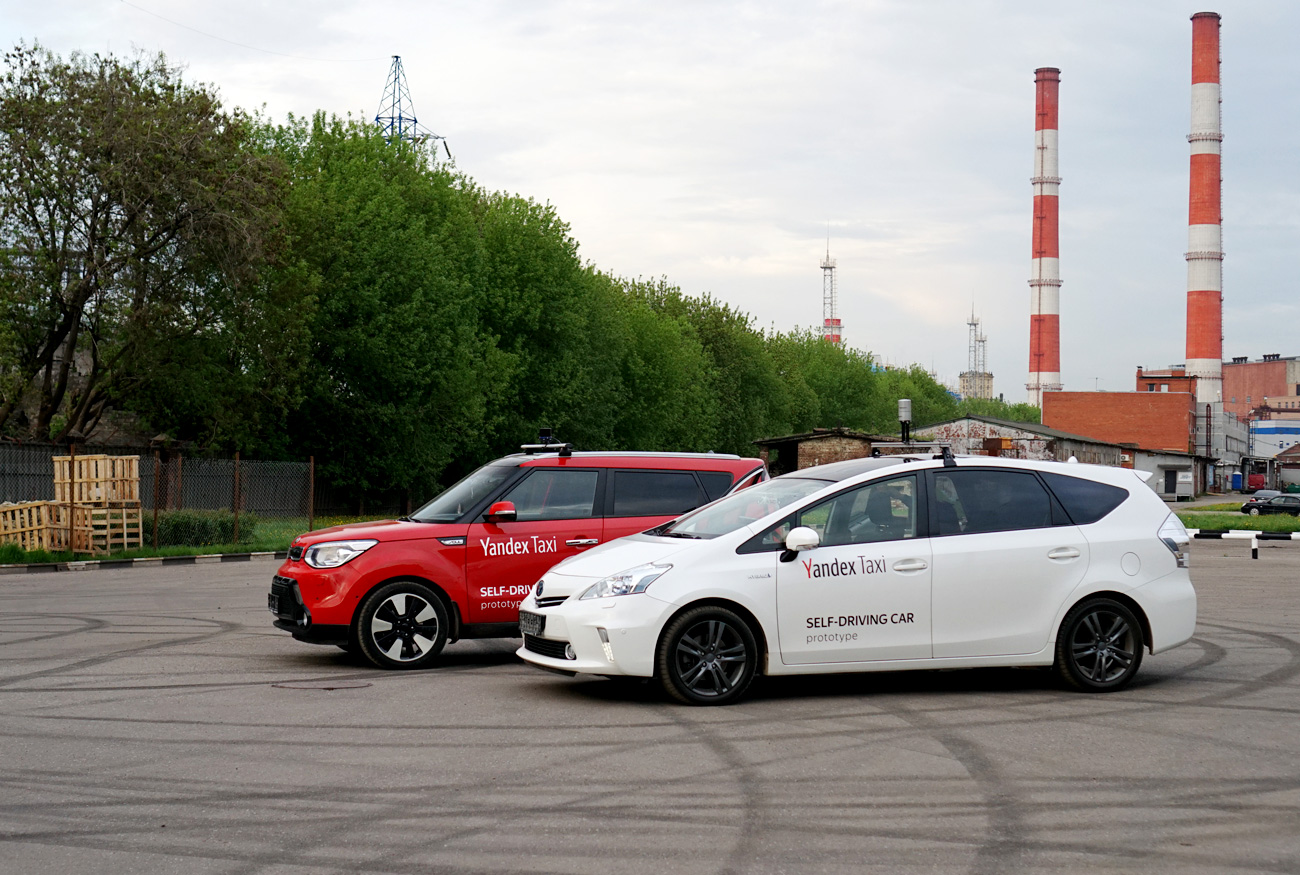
(625, 582)
(1175, 536)
(332, 554)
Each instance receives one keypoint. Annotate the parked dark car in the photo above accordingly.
(1277, 504)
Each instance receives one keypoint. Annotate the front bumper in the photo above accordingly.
(285, 602)
(610, 636)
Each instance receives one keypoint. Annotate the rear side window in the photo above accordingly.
(655, 493)
(716, 483)
(1086, 501)
(975, 500)
(555, 494)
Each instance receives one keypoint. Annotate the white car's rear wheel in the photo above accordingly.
(1099, 648)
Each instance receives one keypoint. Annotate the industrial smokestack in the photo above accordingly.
(1045, 273)
(1205, 218)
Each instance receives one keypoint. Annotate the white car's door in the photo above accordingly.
(1004, 560)
(864, 593)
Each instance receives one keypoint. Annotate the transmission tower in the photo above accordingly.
(976, 381)
(396, 116)
(832, 327)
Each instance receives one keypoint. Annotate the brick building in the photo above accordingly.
(1151, 420)
(1171, 379)
(1246, 384)
(820, 446)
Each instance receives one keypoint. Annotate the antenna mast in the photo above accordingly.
(832, 327)
(396, 116)
(976, 381)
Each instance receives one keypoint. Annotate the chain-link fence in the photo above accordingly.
(177, 501)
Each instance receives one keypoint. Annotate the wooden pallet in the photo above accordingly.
(97, 479)
(43, 525)
(26, 525)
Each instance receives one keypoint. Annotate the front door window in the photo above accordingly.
(864, 593)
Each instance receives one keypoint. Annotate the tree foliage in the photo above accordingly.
(134, 216)
(311, 289)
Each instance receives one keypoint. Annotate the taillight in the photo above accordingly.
(1174, 535)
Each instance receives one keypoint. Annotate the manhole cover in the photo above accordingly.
(322, 685)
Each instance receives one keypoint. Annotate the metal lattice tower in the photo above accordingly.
(976, 381)
(396, 116)
(832, 327)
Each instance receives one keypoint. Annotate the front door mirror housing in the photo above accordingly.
(501, 512)
(800, 539)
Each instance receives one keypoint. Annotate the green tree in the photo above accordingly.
(134, 215)
(402, 382)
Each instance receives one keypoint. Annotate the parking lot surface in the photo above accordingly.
(151, 720)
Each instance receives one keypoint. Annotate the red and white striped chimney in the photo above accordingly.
(1045, 273)
(1205, 218)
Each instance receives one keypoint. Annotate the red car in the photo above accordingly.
(398, 591)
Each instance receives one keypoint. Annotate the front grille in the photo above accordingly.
(551, 601)
(295, 553)
(285, 591)
(545, 647)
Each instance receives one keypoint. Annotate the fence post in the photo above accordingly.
(311, 493)
(234, 500)
(180, 484)
(157, 483)
(72, 492)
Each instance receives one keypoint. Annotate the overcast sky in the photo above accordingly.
(715, 142)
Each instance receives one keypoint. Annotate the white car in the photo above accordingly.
(879, 565)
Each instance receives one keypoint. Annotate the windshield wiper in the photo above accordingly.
(678, 535)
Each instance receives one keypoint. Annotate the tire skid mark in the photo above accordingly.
(739, 772)
(89, 624)
(223, 627)
(1274, 678)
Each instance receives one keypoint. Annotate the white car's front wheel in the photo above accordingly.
(707, 656)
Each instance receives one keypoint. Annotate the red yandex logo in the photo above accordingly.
(844, 567)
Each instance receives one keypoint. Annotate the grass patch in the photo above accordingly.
(197, 533)
(1227, 507)
(1262, 523)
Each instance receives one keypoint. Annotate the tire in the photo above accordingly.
(402, 625)
(1254, 511)
(707, 656)
(1099, 648)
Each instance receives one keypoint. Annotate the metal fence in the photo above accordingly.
(185, 500)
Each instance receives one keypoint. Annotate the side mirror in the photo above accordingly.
(500, 512)
(799, 539)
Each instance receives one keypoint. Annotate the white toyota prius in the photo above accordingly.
(879, 565)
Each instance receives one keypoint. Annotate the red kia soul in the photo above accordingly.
(397, 591)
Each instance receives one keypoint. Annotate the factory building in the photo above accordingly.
(1247, 383)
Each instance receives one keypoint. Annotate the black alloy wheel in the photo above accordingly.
(1099, 648)
(402, 625)
(707, 656)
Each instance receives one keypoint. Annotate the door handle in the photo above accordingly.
(583, 542)
(910, 565)
(1064, 553)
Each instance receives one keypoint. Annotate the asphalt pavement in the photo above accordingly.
(152, 721)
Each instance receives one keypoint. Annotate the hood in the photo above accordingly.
(622, 554)
(379, 530)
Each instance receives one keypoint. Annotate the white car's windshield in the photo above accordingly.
(740, 509)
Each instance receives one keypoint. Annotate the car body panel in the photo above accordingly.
(483, 568)
(989, 615)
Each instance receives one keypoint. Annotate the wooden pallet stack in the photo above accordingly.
(103, 494)
(96, 509)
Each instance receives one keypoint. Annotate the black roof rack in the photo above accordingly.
(562, 449)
